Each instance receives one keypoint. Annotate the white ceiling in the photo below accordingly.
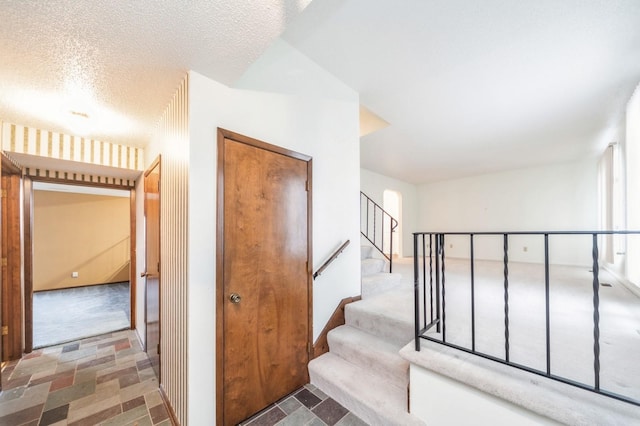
(467, 86)
(471, 87)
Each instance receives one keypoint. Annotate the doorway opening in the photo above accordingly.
(392, 204)
(81, 262)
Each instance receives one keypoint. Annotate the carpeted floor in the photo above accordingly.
(70, 314)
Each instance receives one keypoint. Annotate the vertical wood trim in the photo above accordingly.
(321, 345)
(220, 281)
(14, 266)
(310, 256)
(132, 258)
(28, 263)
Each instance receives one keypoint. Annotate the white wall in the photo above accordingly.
(632, 153)
(374, 184)
(439, 400)
(324, 128)
(560, 197)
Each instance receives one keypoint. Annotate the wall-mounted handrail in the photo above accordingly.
(431, 324)
(331, 259)
(381, 224)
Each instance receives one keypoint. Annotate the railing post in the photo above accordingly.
(596, 314)
(506, 297)
(546, 301)
(416, 291)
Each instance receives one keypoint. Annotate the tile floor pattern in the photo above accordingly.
(105, 380)
(308, 406)
(88, 311)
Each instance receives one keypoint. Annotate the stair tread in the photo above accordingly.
(368, 395)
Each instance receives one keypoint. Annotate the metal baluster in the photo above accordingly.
(473, 302)
(424, 280)
(431, 274)
(596, 315)
(506, 297)
(444, 315)
(390, 246)
(416, 291)
(546, 301)
(439, 325)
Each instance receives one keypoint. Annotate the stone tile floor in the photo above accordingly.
(105, 380)
(108, 380)
(88, 311)
(308, 406)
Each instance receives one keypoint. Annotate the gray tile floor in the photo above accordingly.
(308, 406)
(70, 314)
(105, 380)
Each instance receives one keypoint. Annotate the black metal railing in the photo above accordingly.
(375, 223)
(331, 258)
(430, 286)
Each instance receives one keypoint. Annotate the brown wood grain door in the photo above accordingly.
(264, 286)
(152, 264)
(11, 269)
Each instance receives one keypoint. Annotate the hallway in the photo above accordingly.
(104, 380)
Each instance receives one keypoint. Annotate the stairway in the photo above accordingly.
(362, 370)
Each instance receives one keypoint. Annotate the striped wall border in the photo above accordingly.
(44, 143)
(79, 177)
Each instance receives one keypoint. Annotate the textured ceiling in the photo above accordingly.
(467, 87)
(119, 62)
(471, 87)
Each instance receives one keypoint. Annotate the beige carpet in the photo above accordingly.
(571, 319)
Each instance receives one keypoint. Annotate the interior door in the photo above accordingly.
(152, 264)
(265, 293)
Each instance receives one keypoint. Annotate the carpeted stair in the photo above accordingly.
(362, 370)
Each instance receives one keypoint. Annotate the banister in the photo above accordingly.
(331, 259)
(427, 318)
(375, 238)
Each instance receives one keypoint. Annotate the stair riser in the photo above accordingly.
(372, 266)
(389, 329)
(379, 283)
(392, 367)
(354, 389)
(365, 252)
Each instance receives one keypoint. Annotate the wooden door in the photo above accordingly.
(152, 264)
(264, 298)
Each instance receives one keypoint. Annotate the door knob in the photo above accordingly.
(235, 298)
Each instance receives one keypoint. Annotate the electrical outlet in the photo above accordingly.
(74, 275)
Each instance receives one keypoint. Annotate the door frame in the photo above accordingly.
(28, 248)
(12, 266)
(223, 134)
(156, 163)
